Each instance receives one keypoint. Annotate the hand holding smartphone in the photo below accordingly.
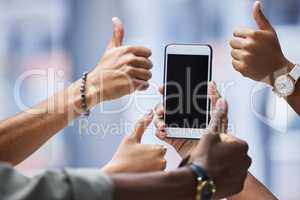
(187, 74)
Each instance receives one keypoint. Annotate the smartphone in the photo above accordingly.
(188, 70)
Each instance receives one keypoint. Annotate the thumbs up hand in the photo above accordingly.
(134, 157)
(257, 54)
(122, 69)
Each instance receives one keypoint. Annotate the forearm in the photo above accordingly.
(253, 189)
(176, 185)
(24, 133)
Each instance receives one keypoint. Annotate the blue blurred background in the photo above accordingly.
(66, 37)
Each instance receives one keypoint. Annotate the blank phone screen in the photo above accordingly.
(186, 91)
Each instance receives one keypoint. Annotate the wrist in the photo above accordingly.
(283, 67)
(75, 96)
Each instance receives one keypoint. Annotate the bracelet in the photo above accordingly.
(84, 106)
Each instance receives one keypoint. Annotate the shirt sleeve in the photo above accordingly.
(66, 185)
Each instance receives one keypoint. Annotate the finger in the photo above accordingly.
(140, 73)
(237, 54)
(140, 85)
(159, 111)
(162, 135)
(230, 140)
(213, 94)
(141, 62)
(141, 126)
(139, 51)
(260, 19)
(161, 90)
(161, 125)
(118, 33)
(219, 117)
(244, 33)
(238, 65)
(237, 43)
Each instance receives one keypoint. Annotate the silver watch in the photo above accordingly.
(284, 85)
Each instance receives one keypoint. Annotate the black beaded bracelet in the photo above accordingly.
(84, 106)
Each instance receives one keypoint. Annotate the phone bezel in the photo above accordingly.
(188, 49)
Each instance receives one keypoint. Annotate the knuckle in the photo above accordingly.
(249, 45)
(249, 161)
(232, 53)
(252, 33)
(128, 49)
(129, 58)
(211, 138)
(246, 57)
(129, 70)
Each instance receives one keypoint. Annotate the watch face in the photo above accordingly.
(207, 193)
(284, 85)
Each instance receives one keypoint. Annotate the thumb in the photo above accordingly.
(219, 118)
(141, 126)
(213, 94)
(118, 33)
(259, 17)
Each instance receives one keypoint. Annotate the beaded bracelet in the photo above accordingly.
(84, 106)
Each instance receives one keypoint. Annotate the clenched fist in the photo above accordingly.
(122, 69)
(133, 157)
(257, 54)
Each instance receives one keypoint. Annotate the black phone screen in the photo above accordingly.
(186, 91)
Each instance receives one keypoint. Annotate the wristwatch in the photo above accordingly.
(206, 187)
(284, 85)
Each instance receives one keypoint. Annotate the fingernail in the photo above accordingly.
(151, 65)
(149, 113)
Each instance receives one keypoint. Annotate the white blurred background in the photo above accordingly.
(64, 38)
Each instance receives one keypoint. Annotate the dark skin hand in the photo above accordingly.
(221, 155)
(253, 188)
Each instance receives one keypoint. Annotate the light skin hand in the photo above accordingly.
(257, 54)
(122, 69)
(222, 155)
(185, 146)
(134, 157)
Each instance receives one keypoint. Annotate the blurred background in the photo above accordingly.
(47, 44)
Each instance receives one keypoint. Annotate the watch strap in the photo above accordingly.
(295, 73)
(202, 192)
(185, 161)
(200, 172)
